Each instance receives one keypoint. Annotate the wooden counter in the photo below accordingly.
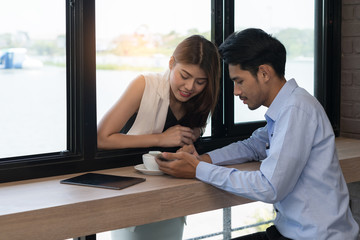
(45, 209)
(349, 155)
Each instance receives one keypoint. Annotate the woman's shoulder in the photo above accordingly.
(138, 83)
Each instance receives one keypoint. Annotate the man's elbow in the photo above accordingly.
(273, 196)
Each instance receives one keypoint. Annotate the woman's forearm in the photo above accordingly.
(119, 141)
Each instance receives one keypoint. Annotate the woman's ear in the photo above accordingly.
(171, 62)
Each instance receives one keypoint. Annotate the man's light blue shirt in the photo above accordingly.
(299, 173)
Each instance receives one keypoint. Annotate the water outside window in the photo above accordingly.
(32, 77)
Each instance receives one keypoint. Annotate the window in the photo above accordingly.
(143, 44)
(312, 26)
(32, 78)
(61, 71)
(293, 23)
(76, 48)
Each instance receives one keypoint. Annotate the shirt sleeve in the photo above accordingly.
(289, 150)
(249, 184)
(252, 149)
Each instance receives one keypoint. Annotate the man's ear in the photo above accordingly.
(265, 72)
(171, 62)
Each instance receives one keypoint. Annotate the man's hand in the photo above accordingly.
(189, 149)
(192, 150)
(182, 164)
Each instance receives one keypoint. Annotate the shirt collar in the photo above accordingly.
(280, 99)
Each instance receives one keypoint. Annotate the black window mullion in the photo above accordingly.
(333, 106)
(320, 41)
(328, 58)
(217, 35)
(81, 80)
(228, 84)
(72, 71)
(88, 82)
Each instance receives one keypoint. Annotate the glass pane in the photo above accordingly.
(32, 77)
(250, 218)
(203, 225)
(292, 22)
(131, 40)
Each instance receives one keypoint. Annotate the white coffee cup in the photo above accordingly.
(150, 162)
(155, 153)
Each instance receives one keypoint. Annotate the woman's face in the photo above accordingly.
(186, 80)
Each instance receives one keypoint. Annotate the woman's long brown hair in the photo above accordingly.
(199, 51)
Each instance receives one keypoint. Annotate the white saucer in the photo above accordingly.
(141, 168)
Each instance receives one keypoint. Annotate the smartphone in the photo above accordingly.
(160, 156)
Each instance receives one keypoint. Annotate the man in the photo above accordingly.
(300, 172)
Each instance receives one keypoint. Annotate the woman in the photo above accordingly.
(165, 110)
(168, 109)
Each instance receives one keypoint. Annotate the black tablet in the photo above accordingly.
(103, 181)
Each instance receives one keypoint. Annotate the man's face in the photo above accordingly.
(249, 88)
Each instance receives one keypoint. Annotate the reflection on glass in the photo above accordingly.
(32, 78)
(292, 22)
(132, 40)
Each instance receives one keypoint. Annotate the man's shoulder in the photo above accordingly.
(303, 100)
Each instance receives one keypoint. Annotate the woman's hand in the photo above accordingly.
(197, 133)
(177, 136)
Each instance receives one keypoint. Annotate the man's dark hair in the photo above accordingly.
(253, 47)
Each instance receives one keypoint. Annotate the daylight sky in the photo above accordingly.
(46, 18)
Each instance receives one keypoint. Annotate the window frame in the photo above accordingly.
(327, 68)
(82, 154)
